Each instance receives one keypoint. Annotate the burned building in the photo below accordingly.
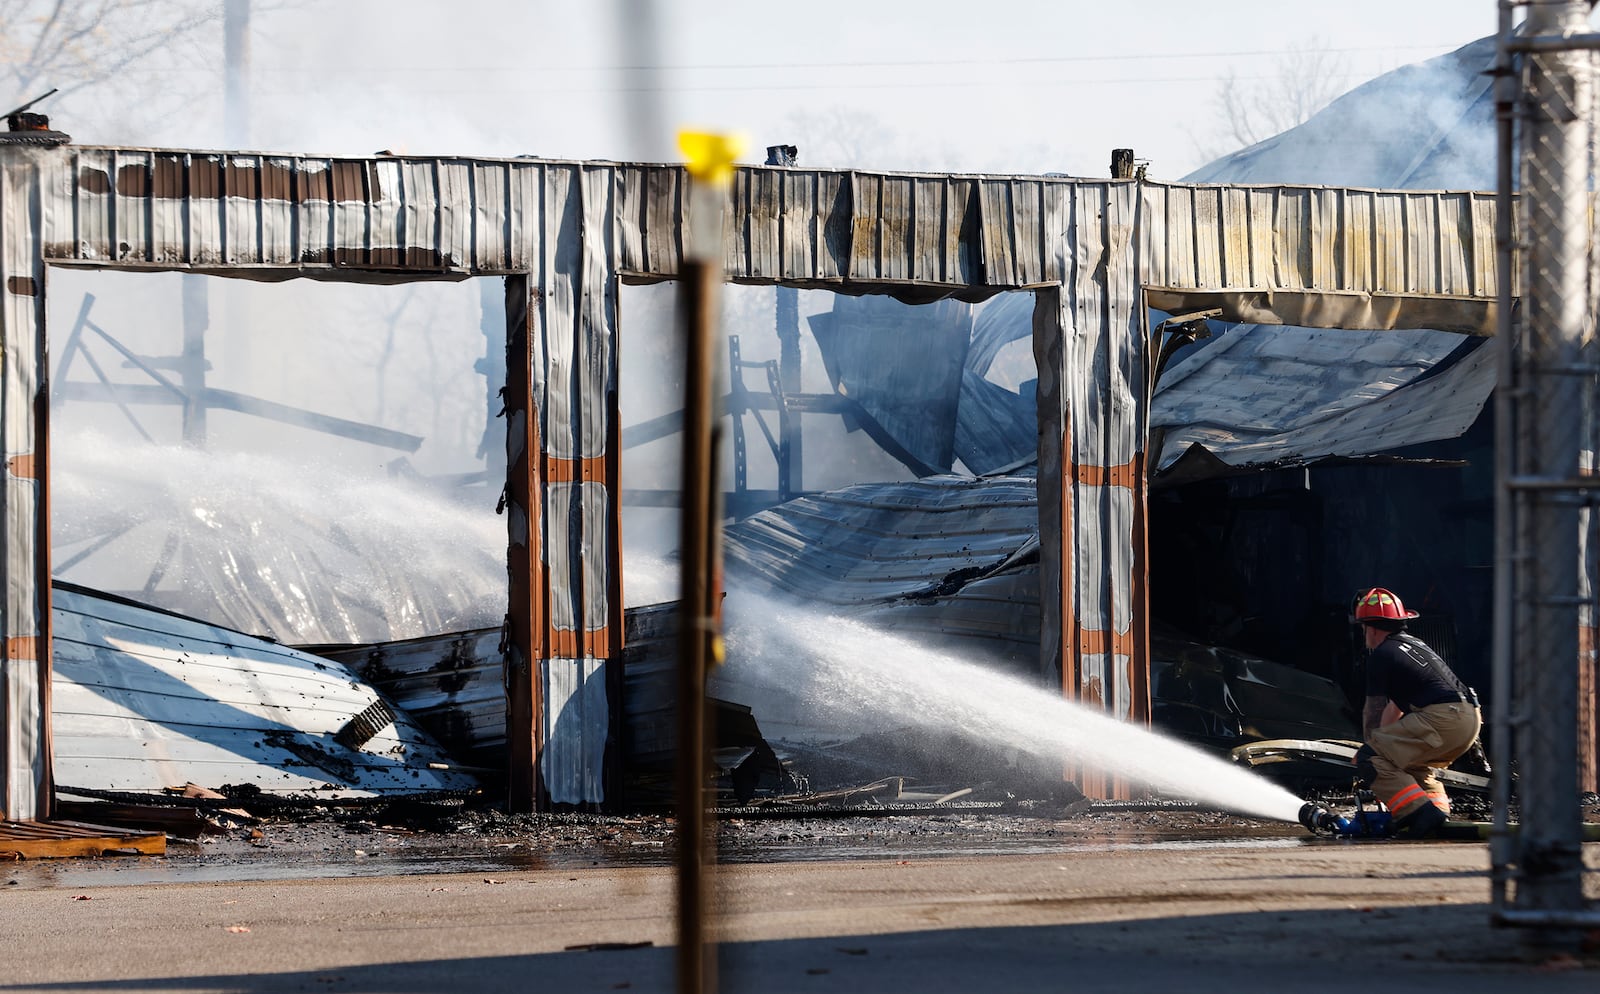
(1096, 255)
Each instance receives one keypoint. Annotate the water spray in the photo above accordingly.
(833, 668)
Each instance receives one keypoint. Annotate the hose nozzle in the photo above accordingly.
(1316, 819)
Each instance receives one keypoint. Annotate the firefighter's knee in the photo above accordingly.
(1366, 773)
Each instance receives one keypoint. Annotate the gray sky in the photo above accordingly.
(996, 86)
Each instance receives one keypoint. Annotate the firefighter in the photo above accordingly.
(1439, 717)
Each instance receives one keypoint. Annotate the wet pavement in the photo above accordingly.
(1120, 903)
(310, 847)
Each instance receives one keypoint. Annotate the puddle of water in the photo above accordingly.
(191, 864)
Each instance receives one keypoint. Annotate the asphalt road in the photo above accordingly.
(1257, 916)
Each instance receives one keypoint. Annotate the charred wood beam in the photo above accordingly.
(144, 393)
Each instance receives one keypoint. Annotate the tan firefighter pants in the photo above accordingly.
(1411, 751)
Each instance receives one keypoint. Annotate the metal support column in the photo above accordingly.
(791, 462)
(1545, 389)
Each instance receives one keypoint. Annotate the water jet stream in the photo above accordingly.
(842, 672)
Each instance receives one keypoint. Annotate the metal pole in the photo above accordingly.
(192, 362)
(791, 461)
(236, 72)
(1549, 444)
(699, 640)
(694, 626)
(1501, 701)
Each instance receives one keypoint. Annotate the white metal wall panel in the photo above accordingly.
(563, 524)
(1178, 266)
(1389, 256)
(420, 211)
(1482, 255)
(386, 215)
(557, 309)
(597, 317)
(1421, 243)
(24, 675)
(576, 722)
(1234, 206)
(1357, 241)
(1454, 244)
(526, 214)
(93, 171)
(490, 217)
(456, 212)
(1289, 238)
(1263, 257)
(594, 555)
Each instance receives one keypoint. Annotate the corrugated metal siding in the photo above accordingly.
(146, 700)
(1321, 239)
(24, 670)
(574, 227)
(173, 208)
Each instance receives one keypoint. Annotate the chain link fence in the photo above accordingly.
(1548, 534)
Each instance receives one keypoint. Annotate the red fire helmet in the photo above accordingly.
(1379, 604)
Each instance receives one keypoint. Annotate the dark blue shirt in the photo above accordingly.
(1403, 669)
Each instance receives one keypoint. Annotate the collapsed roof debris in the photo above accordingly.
(145, 700)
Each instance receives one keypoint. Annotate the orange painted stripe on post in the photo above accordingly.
(1093, 642)
(22, 647)
(1125, 475)
(571, 470)
(569, 643)
(1122, 643)
(23, 467)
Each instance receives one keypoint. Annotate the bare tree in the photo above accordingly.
(1305, 79)
(81, 46)
(839, 138)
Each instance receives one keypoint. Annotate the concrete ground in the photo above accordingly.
(1258, 915)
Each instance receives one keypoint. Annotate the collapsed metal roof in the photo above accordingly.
(1260, 397)
(144, 700)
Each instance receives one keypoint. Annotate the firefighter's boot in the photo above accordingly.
(1422, 823)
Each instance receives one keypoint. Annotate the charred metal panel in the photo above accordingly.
(242, 190)
(453, 685)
